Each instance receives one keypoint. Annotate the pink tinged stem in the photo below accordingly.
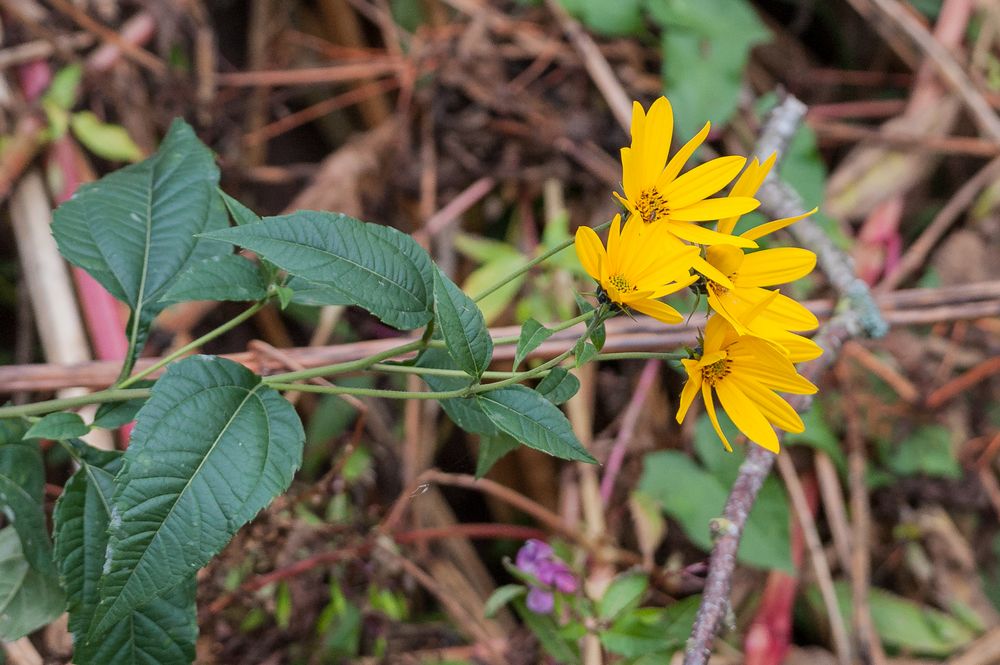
(627, 429)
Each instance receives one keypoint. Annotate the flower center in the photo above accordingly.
(716, 371)
(651, 205)
(620, 283)
(716, 288)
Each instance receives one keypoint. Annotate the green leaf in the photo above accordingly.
(464, 411)
(64, 87)
(375, 267)
(705, 40)
(501, 597)
(623, 594)
(534, 421)
(584, 352)
(228, 277)
(211, 448)
(491, 449)
(22, 477)
(599, 334)
(547, 632)
(241, 214)
(162, 631)
(309, 293)
(115, 414)
(652, 630)
(611, 19)
(490, 273)
(58, 427)
(558, 385)
(695, 495)
(462, 326)
(28, 598)
(927, 451)
(902, 624)
(105, 140)
(134, 230)
(818, 434)
(533, 334)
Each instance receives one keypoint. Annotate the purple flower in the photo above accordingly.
(537, 559)
(531, 554)
(541, 601)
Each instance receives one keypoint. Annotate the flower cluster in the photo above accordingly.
(751, 340)
(537, 559)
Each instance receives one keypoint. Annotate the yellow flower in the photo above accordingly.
(634, 272)
(655, 190)
(744, 371)
(750, 308)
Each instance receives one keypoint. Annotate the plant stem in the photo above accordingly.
(434, 371)
(642, 355)
(370, 392)
(531, 264)
(349, 366)
(207, 337)
(48, 406)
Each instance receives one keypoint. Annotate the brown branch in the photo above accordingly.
(908, 307)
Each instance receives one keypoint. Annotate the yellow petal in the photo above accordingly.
(781, 265)
(658, 310)
(776, 410)
(681, 157)
(710, 358)
(658, 132)
(710, 271)
(747, 185)
(626, 202)
(719, 333)
(590, 251)
(702, 181)
(770, 227)
(703, 236)
(799, 348)
(674, 287)
(746, 415)
(783, 311)
(721, 304)
(726, 258)
(706, 393)
(691, 388)
(708, 209)
(614, 244)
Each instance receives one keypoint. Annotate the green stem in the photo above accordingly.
(435, 371)
(532, 263)
(207, 337)
(344, 367)
(369, 392)
(48, 406)
(642, 355)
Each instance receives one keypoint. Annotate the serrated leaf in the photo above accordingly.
(533, 334)
(58, 427)
(309, 293)
(534, 421)
(240, 213)
(134, 230)
(491, 450)
(625, 592)
(28, 599)
(161, 632)
(105, 140)
(375, 267)
(501, 597)
(22, 477)
(228, 277)
(558, 385)
(462, 326)
(464, 411)
(211, 448)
